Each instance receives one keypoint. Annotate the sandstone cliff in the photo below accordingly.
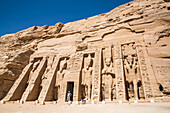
(149, 19)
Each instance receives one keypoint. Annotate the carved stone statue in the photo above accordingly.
(44, 76)
(35, 65)
(59, 78)
(107, 79)
(87, 77)
(132, 76)
(46, 71)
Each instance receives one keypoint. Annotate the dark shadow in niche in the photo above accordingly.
(161, 87)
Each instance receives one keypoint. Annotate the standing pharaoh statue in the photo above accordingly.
(132, 76)
(107, 79)
(87, 77)
(60, 78)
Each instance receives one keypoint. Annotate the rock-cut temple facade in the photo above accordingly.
(120, 55)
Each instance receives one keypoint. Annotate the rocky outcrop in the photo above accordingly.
(16, 50)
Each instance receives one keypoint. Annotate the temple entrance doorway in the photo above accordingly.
(70, 87)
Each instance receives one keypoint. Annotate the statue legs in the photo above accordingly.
(110, 94)
(89, 92)
(86, 91)
(59, 92)
(135, 89)
(110, 87)
(131, 90)
(103, 92)
(107, 87)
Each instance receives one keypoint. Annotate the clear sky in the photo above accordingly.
(16, 15)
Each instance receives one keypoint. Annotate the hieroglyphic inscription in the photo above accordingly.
(117, 52)
(144, 72)
(119, 73)
(96, 77)
(64, 89)
(75, 62)
(75, 91)
(119, 79)
(162, 70)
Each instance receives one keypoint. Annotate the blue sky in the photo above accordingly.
(16, 15)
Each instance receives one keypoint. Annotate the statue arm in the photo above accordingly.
(135, 63)
(111, 72)
(91, 70)
(103, 71)
(126, 64)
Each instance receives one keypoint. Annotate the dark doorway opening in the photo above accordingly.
(70, 87)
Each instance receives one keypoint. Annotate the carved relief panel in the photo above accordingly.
(133, 81)
(36, 63)
(87, 76)
(108, 83)
(97, 76)
(146, 82)
(48, 67)
(91, 75)
(59, 82)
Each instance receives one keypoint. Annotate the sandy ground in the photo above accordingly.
(87, 108)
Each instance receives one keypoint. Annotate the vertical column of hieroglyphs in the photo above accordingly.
(144, 72)
(120, 84)
(96, 77)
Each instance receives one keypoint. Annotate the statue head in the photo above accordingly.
(108, 61)
(88, 61)
(130, 59)
(63, 64)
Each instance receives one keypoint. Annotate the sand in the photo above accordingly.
(86, 108)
